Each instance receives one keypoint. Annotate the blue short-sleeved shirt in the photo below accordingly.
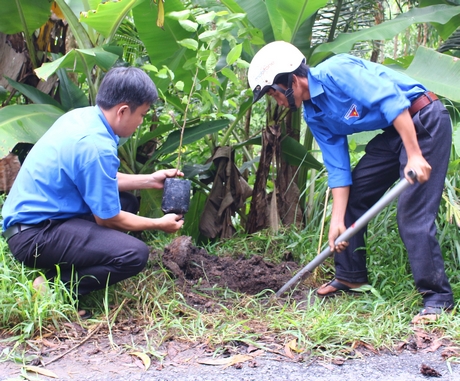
(351, 95)
(70, 171)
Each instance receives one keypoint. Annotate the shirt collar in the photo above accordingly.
(107, 125)
(315, 87)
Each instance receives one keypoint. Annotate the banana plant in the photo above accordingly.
(25, 16)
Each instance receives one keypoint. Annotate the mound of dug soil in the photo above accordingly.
(190, 265)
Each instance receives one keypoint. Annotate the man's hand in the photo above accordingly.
(337, 227)
(415, 160)
(155, 180)
(335, 230)
(420, 166)
(170, 223)
(158, 177)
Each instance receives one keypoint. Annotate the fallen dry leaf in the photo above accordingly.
(145, 359)
(226, 361)
(428, 342)
(42, 371)
(359, 343)
(214, 361)
(287, 348)
(50, 344)
(434, 346)
(172, 350)
(239, 359)
(338, 360)
(251, 348)
(449, 352)
(327, 366)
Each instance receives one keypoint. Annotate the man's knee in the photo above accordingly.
(140, 256)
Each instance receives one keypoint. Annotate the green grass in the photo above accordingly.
(379, 318)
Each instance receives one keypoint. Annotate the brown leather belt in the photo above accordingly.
(422, 101)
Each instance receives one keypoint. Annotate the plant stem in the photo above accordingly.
(185, 118)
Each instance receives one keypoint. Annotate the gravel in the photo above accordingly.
(403, 367)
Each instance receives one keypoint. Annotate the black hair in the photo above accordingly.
(128, 85)
(283, 78)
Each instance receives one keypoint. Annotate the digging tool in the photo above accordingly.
(351, 231)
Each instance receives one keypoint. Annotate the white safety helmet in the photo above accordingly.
(275, 58)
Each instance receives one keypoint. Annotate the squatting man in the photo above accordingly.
(69, 207)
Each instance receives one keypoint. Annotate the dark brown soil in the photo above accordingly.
(190, 265)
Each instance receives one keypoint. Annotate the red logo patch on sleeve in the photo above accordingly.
(352, 112)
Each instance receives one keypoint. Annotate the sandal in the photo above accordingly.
(339, 289)
(84, 314)
(429, 314)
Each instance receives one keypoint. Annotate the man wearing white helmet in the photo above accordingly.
(344, 95)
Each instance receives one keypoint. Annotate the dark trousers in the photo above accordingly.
(89, 257)
(383, 164)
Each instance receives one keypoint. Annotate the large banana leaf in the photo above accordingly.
(80, 60)
(35, 95)
(344, 42)
(438, 72)
(444, 30)
(34, 12)
(69, 9)
(279, 19)
(108, 16)
(70, 94)
(286, 16)
(25, 124)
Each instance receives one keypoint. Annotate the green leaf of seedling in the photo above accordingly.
(189, 43)
(179, 15)
(234, 54)
(230, 75)
(188, 25)
(211, 63)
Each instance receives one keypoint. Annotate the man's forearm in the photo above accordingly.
(127, 182)
(340, 201)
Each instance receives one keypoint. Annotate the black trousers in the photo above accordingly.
(383, 164)
(82, 254)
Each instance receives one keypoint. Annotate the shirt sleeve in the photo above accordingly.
(335, 155)
(97, 182)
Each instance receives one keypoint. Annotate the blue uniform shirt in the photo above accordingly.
(70, 171)
(351, 95)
